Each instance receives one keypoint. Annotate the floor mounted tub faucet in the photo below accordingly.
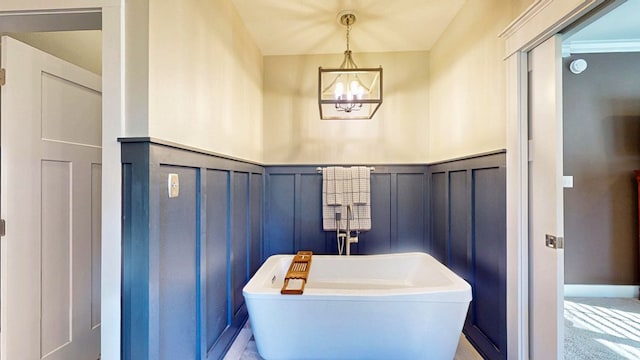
(350, 239)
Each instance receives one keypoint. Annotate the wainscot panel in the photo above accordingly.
(293, 211)
(439, 216)
(468, 216)
(175, 265)
(216, 229)
(186, 258)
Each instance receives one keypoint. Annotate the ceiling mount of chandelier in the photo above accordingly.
(349, 92)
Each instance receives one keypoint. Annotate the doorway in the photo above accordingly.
(51, 192)
(601, 121)
(540, 22)
(26, 16)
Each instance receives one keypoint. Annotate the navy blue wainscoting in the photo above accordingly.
(293, 211)
(186, 259)
(468, 222)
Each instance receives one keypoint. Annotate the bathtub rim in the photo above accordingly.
(457, 291)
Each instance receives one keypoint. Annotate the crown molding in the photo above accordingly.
(600, 46)
(541, 20)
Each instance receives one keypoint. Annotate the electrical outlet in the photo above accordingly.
(173, 184)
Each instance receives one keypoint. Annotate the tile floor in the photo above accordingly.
(244, 348)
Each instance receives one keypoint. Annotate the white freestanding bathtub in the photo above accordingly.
(396, 306)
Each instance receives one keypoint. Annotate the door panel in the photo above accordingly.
(50, 198)
(96, 242)
(56, 305)
(67, 105)
(546, 270)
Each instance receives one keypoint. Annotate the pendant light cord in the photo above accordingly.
(348, 31)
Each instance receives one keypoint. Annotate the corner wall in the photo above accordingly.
(294, 133)
(186, 258)
(204, 79)
(467, 100)
(468, 234)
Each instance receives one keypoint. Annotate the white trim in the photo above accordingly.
(113, 127)
(527, 15)
(517, 211)
(621, 291)
(541, 20)
(602, 46)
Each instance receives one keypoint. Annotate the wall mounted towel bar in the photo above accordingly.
(319, 169)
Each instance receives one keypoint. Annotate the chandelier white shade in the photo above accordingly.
(349, 92)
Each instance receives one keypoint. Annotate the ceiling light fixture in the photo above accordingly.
(349, 92)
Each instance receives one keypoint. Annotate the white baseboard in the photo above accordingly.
(622, 291)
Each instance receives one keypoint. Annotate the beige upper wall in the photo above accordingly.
(294, 133)
(467, 96)
(442, 104)
(205, 78)
(519, 6)
(202, 86)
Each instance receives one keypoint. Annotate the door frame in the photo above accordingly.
(27, 15)
(540, 21)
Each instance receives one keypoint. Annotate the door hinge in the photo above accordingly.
(2, 227)
(554, 242)
(3, 74)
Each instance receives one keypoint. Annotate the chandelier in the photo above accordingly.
(349, 92)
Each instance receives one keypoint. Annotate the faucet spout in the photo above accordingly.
(349, 216)
(350, 239)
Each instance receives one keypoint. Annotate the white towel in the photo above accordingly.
(361, 218)
(361, 185)
(333, 185)
(342, 187)
(329, 217)
(333, 198)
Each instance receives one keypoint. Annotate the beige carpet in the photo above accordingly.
(602, 328)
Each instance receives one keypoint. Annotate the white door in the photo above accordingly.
(546, 264)
(50, 171)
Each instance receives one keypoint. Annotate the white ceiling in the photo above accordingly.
(619, 24)
(296, 27)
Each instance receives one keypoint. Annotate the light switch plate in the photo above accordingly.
(173, 184)
(567, 182)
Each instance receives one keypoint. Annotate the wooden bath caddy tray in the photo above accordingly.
(298, 270)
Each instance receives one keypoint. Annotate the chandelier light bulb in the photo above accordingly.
(339, 90)
(354, 86)
(355, 90)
